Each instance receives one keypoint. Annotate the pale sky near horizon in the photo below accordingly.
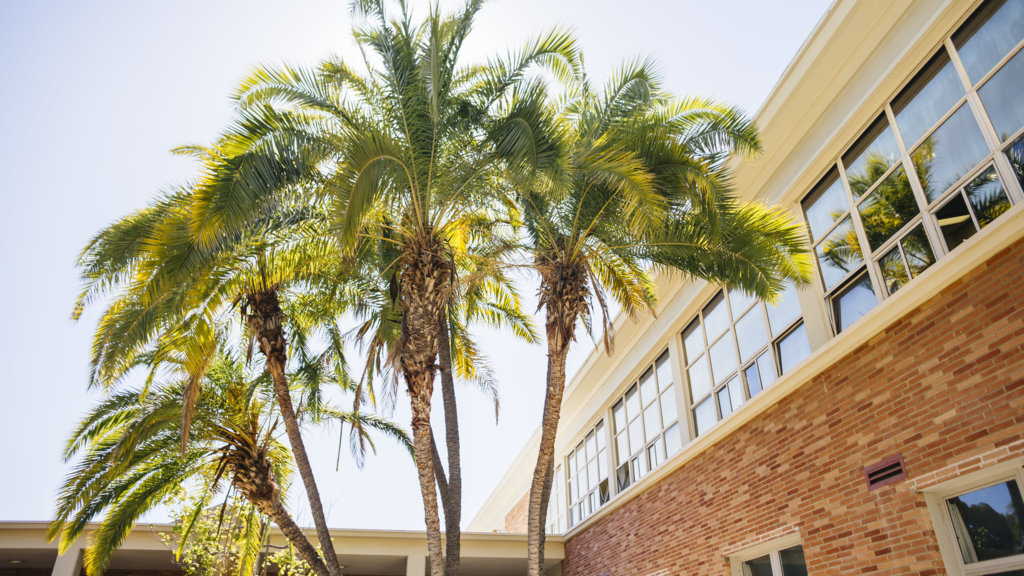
(96, 94)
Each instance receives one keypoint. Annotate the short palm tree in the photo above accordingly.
(130, 458)
(638, 181)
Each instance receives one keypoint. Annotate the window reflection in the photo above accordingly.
(751, 333)
(949, 153)
(955, 222)
(794, 348)
(868, 159)
(839, 254)
(825, 204)
(927, 98)
(1002, 98)
(989, 522)
(894, 271)
(792, 560)
(987, 197)
(853, 301)
(918, 251)
(988, 35)
(758, 567)
(888, 208)
(785, 310)
(1015, 154)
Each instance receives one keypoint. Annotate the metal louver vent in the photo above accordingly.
(890, 470)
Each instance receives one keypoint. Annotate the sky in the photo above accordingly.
(94, 95)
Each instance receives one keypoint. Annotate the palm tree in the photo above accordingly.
(403, 154)
(637, 179)
(130, 458)
(174, 298)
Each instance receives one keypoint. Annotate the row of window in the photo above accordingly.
(921, 179)
(929, 171)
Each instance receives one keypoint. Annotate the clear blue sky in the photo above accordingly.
(95, 94)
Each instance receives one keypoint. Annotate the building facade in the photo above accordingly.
(871, 422)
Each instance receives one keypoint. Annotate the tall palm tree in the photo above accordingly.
(130, 458)
(637, 180)
(402, 151)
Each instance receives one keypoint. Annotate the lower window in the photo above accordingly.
(784, 557)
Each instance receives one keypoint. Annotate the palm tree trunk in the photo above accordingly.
(453, 492)
(294, 534)
(425, 290)
(557, 352)
(266, 323)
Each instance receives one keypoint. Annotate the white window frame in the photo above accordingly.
(936, 496)
(770, 548)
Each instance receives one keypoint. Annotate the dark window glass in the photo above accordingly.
(792, 560)
(604, 492)
(870, 156)
(784, 311)
(988, 522)
(853, 301)
(839, 253)
(987, 197)
(758, 567)
(888, 208)
(918, 251)
(955, 222)
(825, 204)
(928, 97)
(753, 380)
(1010, 573)
(988, 35)
(949, 153)
(1016, 156)
(894, 271)
(793, 348)
(1003, 99)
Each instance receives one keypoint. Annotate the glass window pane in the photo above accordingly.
(632, 403)
(955, 222)
(619, 416)
(723, 357)
(870, 156)
(753, 380)
(592, 475)
(604, 493)
(652, 421)
(1015, 154)
(988, 35)
(572, 464)
(639, 467)
(602, 465)
(693, 341)
(1001, 96)
(700, 380)
(766, 369)
(601, 440)
(669, 410)
(739, 301)
(591, 445)
(664, 370)
(652, 455)
(751, 333)
(705, 415)
(792, 560)
(918, 251)
(724, 404)
(673, 441)
(987, 197)
(784, 311)
(839, 253)
(928, 97)
(622, 479)
(636, 435)
(894, 271)
(949, 153)
(573, 489)
(888, 208)
(794, 348)
(622, 448)
(736, 392)
(853, 301)
(648, 387)
(988, 522)
(716, 317)
(559, 480)
(581, 455)
(825, 204)
(573, 520)
(758, 567)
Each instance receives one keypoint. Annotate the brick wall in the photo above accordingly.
(944, 386)
(515, 520)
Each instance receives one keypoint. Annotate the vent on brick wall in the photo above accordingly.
(890, 470)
